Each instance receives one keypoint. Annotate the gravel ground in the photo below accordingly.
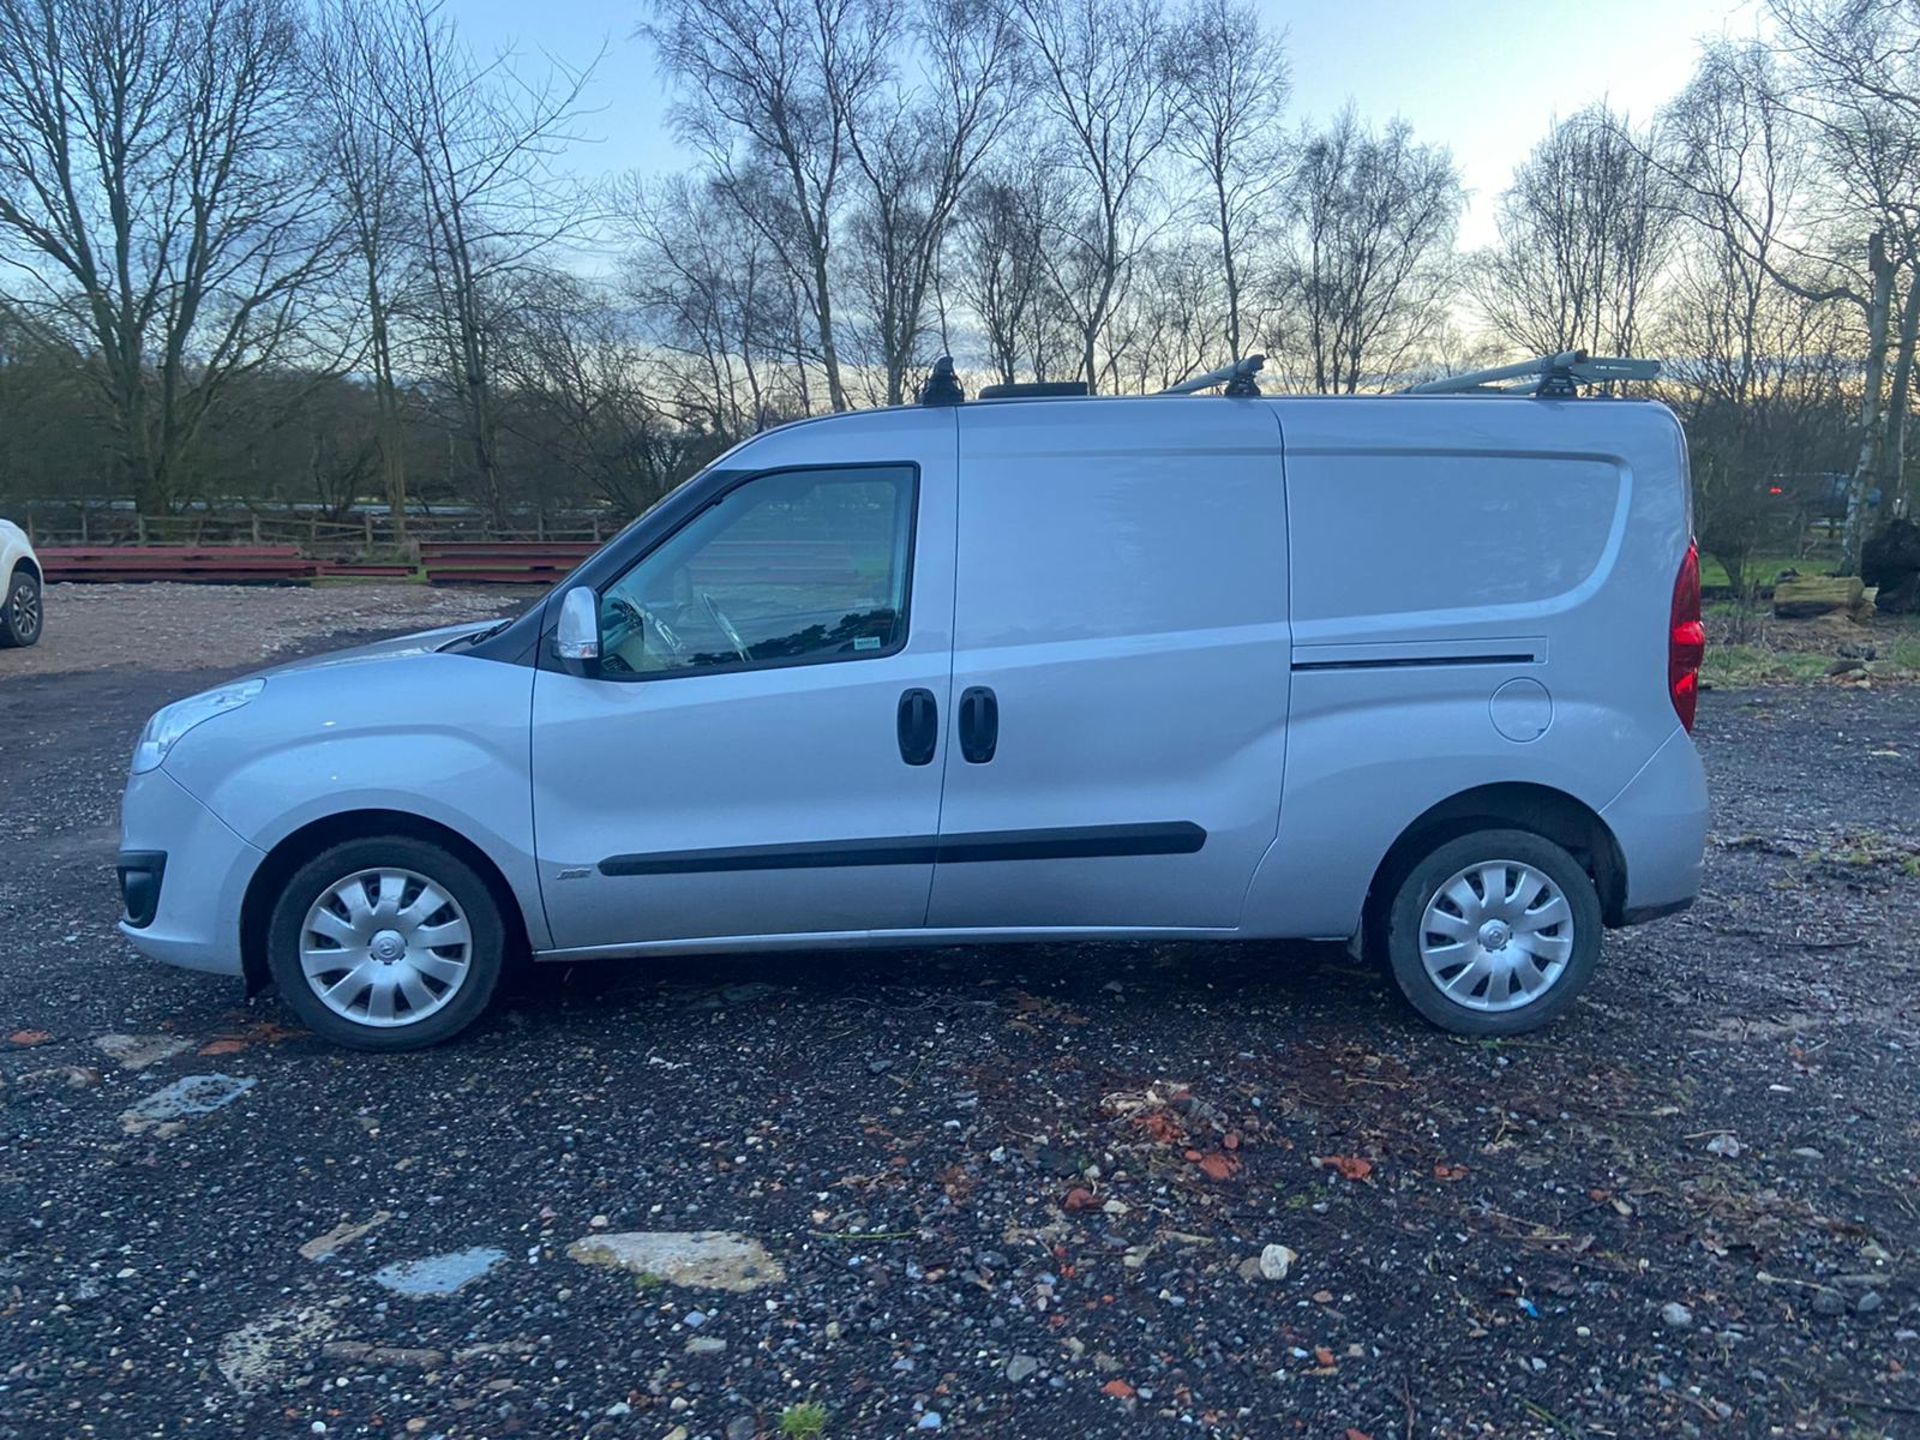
(178, 627)
(1026, 1192)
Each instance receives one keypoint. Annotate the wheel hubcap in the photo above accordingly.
(1496, 936)
(385, 947)
(25, 608)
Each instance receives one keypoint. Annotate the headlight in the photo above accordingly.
(166, 727)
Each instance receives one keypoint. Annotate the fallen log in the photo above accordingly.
(1802, 597)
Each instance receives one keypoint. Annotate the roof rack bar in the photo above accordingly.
(1551, 375)
(1237, 377)
(1474, 379)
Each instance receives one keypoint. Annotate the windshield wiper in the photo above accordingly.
(478, 635)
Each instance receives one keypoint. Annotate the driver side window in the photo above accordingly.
(791, 568)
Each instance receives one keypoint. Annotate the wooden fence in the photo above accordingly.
(439, 562)
(357, 534)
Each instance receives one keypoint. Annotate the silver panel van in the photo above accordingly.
(1416, 672)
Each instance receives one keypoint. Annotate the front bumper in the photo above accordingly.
(196, 892)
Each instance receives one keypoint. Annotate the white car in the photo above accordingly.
(21, 615)
(1415, 669)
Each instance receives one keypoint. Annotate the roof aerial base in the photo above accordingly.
(943, 386)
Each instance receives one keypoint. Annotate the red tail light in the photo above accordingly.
(1686, 639)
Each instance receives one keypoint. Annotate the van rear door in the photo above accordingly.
(1117, 728)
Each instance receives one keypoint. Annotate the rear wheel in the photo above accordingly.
(1494, 933)
(386, 943)
(21, 615)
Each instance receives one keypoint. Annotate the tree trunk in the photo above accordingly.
(484, 458)
(1232, 274)
(150, 497)
(829, 351)
(470, 355)
(1734, 562)
(1900, 401)
(146, 472)
(1865, 468)
(393, 460)
(1097, 318)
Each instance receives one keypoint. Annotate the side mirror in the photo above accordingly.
(578, 636)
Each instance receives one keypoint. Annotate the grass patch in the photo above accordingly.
(1867, 849)
(803, 1422)
(1759, 572)
(1741, 667)
(1903, 653)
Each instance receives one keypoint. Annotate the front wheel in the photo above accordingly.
(386, 943)
(21, 615)
(1494, 933)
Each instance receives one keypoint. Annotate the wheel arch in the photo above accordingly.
(1517, 805)
(32, 566)
(301, 845)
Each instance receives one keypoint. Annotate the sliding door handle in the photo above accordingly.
(919, 726)
(979, 724)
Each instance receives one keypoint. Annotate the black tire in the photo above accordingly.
(22, 616)
(484, 949)
(1422, 884)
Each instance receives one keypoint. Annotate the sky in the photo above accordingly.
(1484, 77)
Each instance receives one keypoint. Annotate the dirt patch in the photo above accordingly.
(205, 627)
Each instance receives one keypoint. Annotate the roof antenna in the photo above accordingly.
(942, 387)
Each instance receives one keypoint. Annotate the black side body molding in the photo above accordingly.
(1077, 842)
(1404, 662)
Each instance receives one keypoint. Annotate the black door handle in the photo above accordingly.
(979, 724)
(919, 724)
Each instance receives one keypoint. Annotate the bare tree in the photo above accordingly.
(160, 209)
(917, 151)
(1873, 382)
(1900, 396)
(1170, 317)
(51, 421)
(1371, 263)
(1103, 83)
(573, 395)
(1000, 272)
(1229, 83)
(1583, 234)
(1757, 374)
(380, 206)
(712, 299)
(1737, 148)
(1856, 83)
(773, 86)
(480, 137)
